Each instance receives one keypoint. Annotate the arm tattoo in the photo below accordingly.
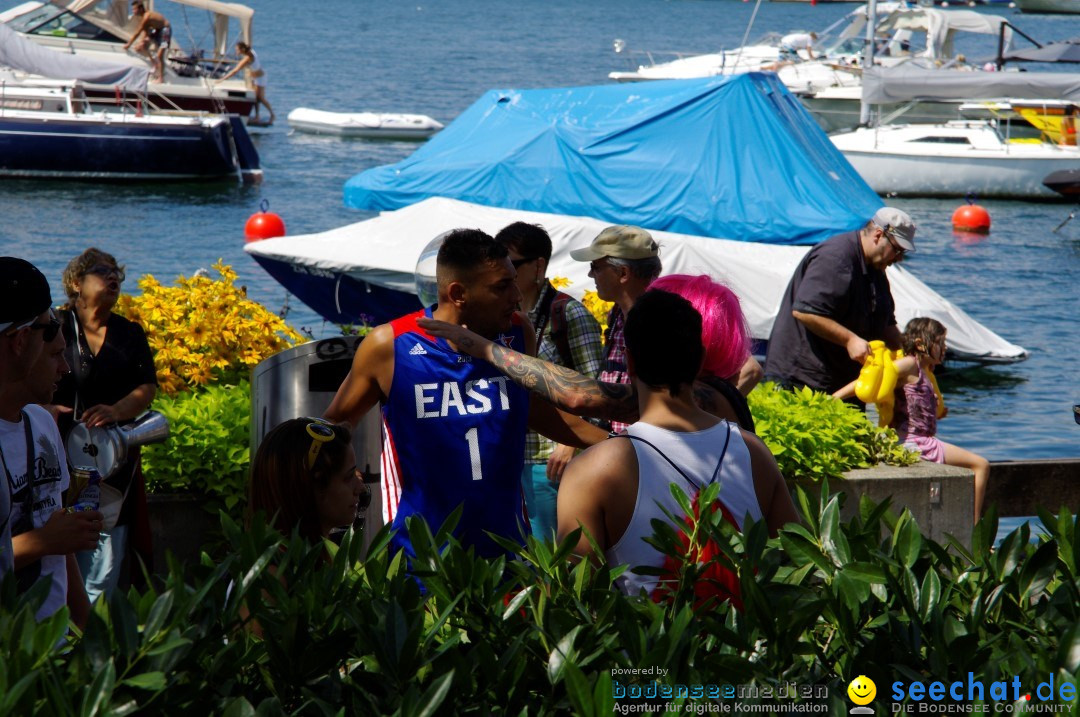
(567, 388)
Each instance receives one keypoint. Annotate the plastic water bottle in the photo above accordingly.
(90, 495)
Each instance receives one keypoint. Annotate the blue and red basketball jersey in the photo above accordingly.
(453, 433)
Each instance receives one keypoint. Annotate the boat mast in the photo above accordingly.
(868, 57)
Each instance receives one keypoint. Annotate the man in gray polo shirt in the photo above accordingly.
(836, 303)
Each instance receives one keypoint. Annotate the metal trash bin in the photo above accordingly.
(302, 381)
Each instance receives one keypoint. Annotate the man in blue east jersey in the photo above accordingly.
(454, 426)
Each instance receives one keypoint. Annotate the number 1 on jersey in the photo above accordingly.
(474, 453)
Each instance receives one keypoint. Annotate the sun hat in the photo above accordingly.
(898, 224)
(24, 293)
(619, 242)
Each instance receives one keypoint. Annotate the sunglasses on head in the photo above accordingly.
(321, 431)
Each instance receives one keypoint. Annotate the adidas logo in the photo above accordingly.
(417, 350)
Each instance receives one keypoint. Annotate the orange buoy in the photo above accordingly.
(263, 224)
(971, 218)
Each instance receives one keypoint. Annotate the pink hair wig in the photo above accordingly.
(723, 326)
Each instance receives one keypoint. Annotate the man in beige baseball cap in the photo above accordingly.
(623, 261)
(619, 242)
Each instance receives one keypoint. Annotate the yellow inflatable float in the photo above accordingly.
(877, 382)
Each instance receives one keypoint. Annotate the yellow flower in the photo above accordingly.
(203, 327)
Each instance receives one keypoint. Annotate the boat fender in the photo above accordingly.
(971, 218)
(263, 224)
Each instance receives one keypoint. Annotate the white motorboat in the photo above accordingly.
(955, 159)
(98, 29)
(1064, 7)
(47, 130)
(50, 128)
(369, 267)
(371, 125)
(828, 85)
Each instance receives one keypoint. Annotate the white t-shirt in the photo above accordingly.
(49, 474)
(797, 41)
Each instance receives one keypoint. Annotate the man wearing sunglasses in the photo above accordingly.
(836, 303)
(454, 426)
(40, 539)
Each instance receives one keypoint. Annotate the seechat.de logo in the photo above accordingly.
(862, 692)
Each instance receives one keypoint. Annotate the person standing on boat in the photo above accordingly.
(156, 35)
(791, 44)
(837, 302)
(250, 61)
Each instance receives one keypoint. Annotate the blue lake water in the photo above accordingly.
(437, 59)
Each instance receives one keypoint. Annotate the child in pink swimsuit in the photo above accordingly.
(915, 414)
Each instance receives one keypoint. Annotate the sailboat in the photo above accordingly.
(1006, 156)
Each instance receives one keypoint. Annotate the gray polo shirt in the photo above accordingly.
(833, 280)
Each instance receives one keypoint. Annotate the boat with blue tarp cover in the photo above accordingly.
(735, 157)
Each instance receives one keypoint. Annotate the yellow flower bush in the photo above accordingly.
(205, 330)
(596, 306)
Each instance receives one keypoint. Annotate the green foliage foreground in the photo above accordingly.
(824, 602)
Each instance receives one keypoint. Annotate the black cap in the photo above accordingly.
(24, 292)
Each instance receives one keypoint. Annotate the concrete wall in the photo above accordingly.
(941, 498)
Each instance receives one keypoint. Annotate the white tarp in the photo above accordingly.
(21, 54)
(384, 250)
(940, 27)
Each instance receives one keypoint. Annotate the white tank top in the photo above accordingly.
(696, 454)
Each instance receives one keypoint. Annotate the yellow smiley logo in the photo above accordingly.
(862, 690)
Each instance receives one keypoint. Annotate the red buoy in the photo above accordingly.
(263, 224)
(971, 218)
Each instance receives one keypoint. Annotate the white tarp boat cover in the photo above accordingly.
(113, 15)
(18, 53)
(383, 251)
(906, 82)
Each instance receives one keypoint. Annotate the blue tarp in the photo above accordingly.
(730, 157)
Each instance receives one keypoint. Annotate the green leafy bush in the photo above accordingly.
(823, 602)
(207, 449)
(815, 436)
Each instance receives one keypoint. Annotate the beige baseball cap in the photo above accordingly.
(898, 223)
(620, 242)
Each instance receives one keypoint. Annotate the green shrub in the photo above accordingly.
(207, 449)
(816, 436)
(824, 602)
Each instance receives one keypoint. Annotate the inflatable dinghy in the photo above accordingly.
(380, 125)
